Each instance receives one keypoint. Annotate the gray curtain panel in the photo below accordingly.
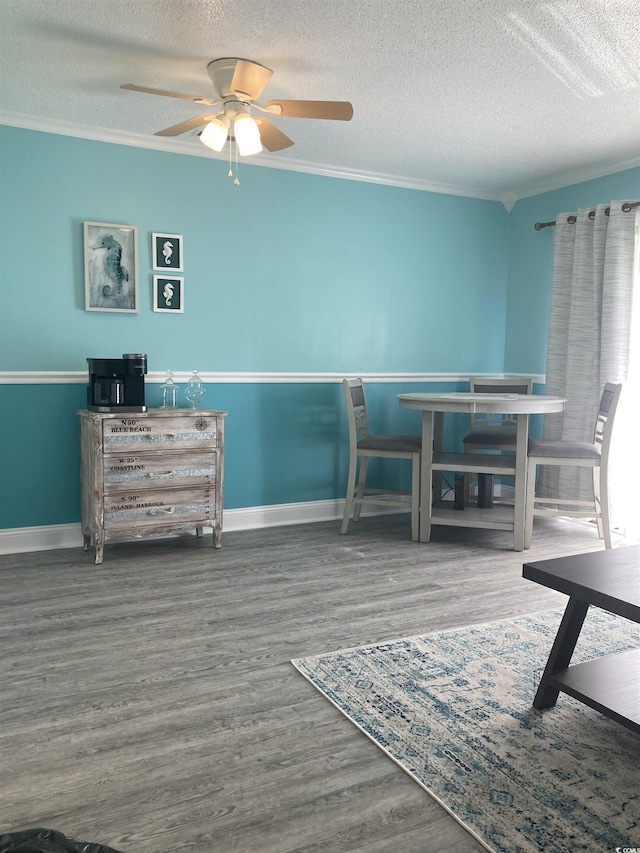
(589, 327)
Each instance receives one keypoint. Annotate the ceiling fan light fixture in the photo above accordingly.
(247, 135)
(237, 84)
(216, 132)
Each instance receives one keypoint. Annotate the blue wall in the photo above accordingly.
(288, 273)
(284, 443)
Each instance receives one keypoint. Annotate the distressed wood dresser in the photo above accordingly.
(151, 474)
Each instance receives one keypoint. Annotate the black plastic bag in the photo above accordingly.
(47, 841)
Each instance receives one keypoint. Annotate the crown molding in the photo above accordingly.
(271, 161)
(568, 179)
(275, 161)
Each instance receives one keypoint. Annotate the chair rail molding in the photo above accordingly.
(79, 377)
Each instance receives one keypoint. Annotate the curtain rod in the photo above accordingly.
(626, 207)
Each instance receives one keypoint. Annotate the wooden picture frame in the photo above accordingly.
(168, 294)
(111, 267)
(166, 252)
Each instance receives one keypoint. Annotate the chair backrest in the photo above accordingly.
(497, 386)
(356, 411)
(605, 418)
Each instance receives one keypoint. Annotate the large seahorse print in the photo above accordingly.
(113, 263)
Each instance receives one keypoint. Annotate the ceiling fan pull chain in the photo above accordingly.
(237, 180)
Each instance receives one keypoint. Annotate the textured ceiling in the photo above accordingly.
(487, 98)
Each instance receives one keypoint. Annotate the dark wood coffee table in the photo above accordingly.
(608, 579)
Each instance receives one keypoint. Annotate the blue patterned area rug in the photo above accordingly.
(454, 710)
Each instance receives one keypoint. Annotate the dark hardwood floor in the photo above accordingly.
(149, 703)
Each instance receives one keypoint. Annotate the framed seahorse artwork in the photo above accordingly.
(168, 294)
(110, 267)
(166, 250)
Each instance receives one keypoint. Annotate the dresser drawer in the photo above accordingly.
(148, 508)
(180, 432)
(155, 468)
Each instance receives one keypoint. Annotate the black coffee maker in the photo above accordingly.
(117, 384)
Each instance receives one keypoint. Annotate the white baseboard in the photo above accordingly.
(19, 540)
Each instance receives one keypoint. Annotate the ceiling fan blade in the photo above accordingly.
(272, 137)
(338, 110)
(195, 98)
(184, 126)
(249, 78)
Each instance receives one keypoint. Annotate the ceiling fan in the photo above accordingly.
(238, 83)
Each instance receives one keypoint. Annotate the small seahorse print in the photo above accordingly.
(113, 263)
(167, 294)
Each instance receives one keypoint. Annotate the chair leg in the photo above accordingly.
(351, 487)
(362, 481)
(415, 497)
(530, 503)
(597, 499)
(601, 477)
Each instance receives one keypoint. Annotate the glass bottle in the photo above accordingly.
(168, 392)
(195, 389)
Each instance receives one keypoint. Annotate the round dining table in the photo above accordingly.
(434, 460)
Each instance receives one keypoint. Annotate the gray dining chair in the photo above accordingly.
(362, 446)
(577, 454)
(495, 432)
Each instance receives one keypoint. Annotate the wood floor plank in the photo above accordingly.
(150, 704)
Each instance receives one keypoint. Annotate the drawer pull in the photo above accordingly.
(168, 511)
(160, 474)
(162, 437)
